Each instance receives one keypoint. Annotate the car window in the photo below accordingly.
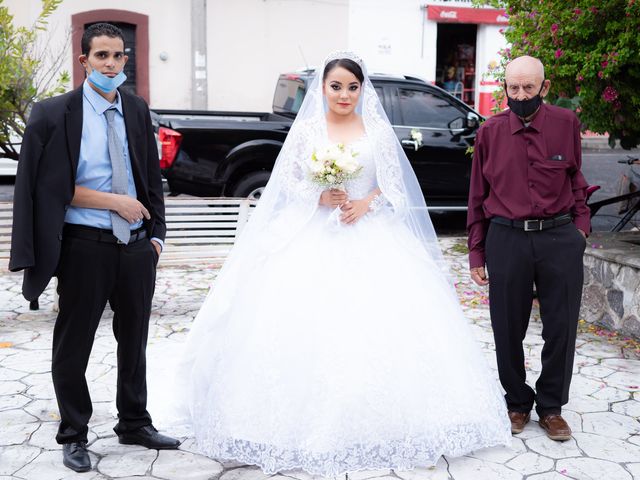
(288, 95)
(425, 109)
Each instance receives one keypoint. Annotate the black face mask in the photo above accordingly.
(525, 108)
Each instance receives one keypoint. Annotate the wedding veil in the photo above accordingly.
(290, 199)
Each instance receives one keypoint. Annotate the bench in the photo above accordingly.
(6, 217)
(203, 229)
(198, 230)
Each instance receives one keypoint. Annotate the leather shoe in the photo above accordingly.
(556, 427)
(518, 421)
(149, 437)
(76, 457)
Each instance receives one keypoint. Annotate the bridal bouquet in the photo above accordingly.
(333, 165)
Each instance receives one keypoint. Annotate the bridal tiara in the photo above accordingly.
(343, 54)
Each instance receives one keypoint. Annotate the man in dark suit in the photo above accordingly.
(89, 209)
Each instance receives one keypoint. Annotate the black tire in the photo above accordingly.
(251, 185)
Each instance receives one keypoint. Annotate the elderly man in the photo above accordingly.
(527, 223)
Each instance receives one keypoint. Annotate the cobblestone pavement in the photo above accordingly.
(604, 410)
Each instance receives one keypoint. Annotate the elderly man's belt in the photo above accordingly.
(100, 234)
(536, 224)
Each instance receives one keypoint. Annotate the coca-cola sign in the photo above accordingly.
(466, 15)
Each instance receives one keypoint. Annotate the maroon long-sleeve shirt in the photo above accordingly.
(523, 173)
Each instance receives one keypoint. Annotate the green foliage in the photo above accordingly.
(590, 50)
(25, 77)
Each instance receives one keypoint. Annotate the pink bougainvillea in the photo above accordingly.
(610, 94)
(587, 47)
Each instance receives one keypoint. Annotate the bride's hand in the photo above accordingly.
(354, 210)
(333, 198)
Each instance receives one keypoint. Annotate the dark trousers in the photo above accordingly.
(90, 273)
(552, 260)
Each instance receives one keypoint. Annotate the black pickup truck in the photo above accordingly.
(232, 153)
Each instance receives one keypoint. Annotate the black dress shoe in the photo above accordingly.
(76, 457)
(149, 437)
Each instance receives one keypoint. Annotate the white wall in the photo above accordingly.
(389, 36)
(250, 42)
(169, 31)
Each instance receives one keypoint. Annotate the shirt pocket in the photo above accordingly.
(552, 172)
(557, 161)
(559, 154)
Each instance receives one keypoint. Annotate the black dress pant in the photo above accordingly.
(90, 273)
(552, 260)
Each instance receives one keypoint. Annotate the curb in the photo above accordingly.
(600, 142)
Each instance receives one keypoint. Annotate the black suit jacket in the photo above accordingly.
(46, 176)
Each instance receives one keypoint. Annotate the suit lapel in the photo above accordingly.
(73, 126)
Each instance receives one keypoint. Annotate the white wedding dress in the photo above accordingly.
(342, 352)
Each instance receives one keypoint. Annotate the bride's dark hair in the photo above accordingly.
(346, 63)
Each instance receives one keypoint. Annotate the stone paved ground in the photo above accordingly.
(604, 411)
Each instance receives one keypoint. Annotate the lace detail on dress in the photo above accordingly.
(389, 173)
(365, 181)
(296, 173)
(404, 453)
(377, 203)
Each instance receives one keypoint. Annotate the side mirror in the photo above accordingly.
(473, 120)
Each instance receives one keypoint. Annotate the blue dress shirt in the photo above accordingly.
(94, 163)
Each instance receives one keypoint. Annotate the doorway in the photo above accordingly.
(456, 60)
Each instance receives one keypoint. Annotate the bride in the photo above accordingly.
(333, 340)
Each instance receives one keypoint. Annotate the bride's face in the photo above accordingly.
(342, 91)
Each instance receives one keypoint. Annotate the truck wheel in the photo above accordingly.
(252, 185)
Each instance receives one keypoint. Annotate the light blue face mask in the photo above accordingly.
(104, 83)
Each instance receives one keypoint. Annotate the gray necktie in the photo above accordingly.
(119, 177)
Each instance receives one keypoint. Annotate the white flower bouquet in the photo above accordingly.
(333, 165)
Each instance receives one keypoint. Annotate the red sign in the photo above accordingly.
(466, 15)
